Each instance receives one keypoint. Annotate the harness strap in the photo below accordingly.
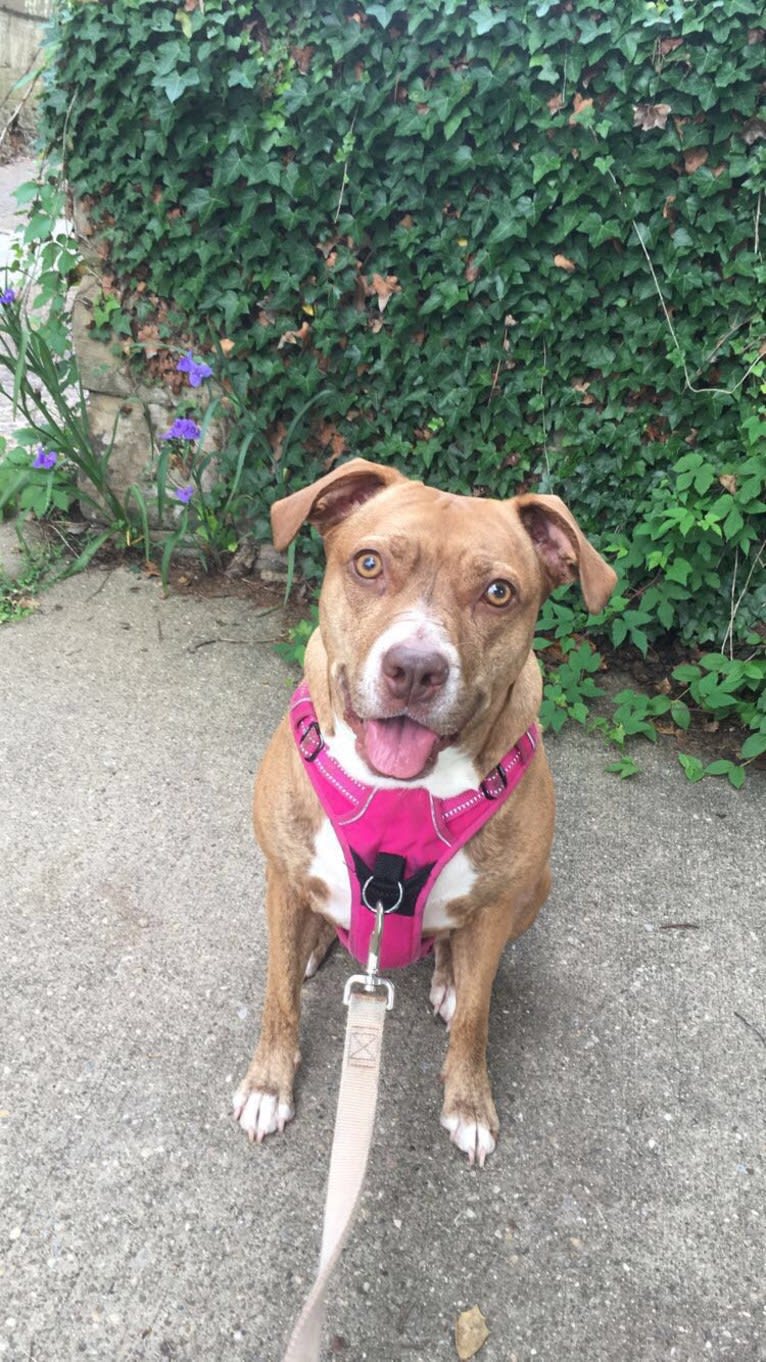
(354, 1120)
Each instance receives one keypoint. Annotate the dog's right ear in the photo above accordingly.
(329, 500)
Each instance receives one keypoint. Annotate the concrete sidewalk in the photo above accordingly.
(622, 1217)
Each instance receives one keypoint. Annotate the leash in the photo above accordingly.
(368, 997)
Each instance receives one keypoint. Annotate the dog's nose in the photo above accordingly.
(413, 675)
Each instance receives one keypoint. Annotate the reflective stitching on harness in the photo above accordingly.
(437, 829)
(330, 775)
(361, 811)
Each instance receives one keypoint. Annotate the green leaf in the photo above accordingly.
(680, 714)
(625, 767)
(692, 767)
(754, 746)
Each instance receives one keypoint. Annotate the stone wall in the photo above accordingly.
(124, 414)
(21, 27)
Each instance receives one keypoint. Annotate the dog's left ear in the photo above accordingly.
(329, 500)
(563, 549)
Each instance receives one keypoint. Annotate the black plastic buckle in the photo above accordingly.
(311, 731)
(493, 785)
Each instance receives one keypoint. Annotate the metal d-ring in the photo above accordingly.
(373, 907)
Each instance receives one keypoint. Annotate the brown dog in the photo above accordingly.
(421, 673)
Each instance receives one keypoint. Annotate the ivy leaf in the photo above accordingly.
(179, 81)
(381, 13)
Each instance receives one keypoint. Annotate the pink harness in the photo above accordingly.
(374, 825)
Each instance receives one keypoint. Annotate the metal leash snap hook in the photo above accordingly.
(371, 981)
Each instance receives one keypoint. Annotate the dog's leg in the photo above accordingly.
(469, 1112)
(263, 1103)
(442, 996)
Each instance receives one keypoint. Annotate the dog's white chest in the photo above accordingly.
(328, 865)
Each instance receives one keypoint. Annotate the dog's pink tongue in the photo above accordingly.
(398, 747)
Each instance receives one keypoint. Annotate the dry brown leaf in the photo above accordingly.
(694, 158)
(298, 337)
(729, 481)
(578, 105)
(384, 286)
(555, 103)
(647, 116)
(581, 386)
(562, 262)
(226, 346)
(666, 45)
(753, 129)
(302, 58)
(471, 1333)
(276, 438)
(331, 439)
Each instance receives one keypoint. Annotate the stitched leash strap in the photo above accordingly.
(355, 1117)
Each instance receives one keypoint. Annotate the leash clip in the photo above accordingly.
(371, 981)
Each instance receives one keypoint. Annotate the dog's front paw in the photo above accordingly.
(443, 999)
(260, 1112)
(443, 994)
(472, 1124)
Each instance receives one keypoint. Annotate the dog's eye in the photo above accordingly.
(368, 564)
(499, 593)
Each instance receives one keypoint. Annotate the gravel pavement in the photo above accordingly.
(622, 1216)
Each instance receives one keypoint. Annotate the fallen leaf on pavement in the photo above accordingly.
(471, 1333)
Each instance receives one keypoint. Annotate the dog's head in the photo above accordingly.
(429, 603)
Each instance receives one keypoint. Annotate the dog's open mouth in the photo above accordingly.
(397, 747)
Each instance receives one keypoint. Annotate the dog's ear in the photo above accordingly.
(326, 502)
(563, 549)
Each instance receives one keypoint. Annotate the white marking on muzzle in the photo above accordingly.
(419, 630)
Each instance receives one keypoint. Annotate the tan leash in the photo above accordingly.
(368, 998)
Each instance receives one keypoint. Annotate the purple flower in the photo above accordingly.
(182, 429)
(196, 371)
(46, 459)
(8, 295)
(184, 494)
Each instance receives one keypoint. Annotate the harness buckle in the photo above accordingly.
(311, 742)
(493, 785)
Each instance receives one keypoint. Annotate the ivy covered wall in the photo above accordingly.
(500, 245)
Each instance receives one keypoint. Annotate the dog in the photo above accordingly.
(419, 680)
